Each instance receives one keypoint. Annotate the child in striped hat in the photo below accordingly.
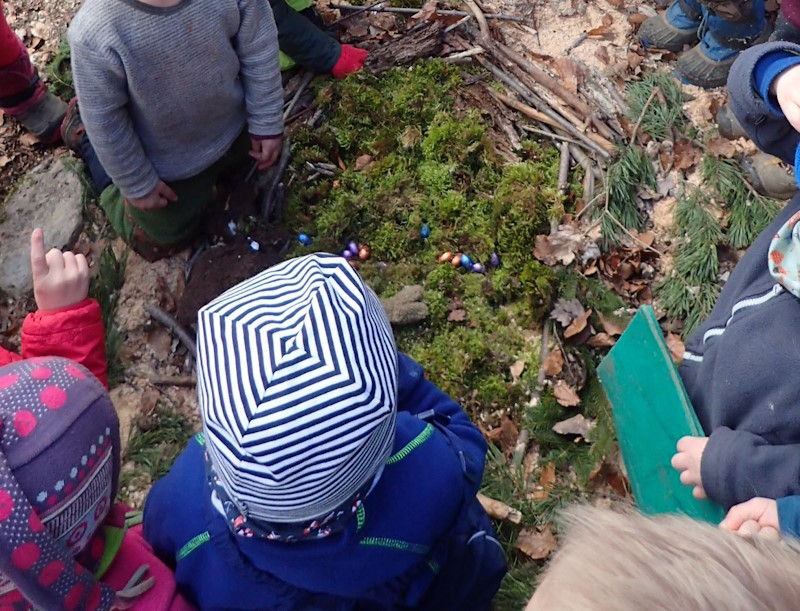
(330, 473)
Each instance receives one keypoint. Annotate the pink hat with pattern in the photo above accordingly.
(59, 468)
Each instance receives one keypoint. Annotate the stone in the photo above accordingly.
(51, 197)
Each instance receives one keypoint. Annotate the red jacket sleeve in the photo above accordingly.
(74, 333)
(7, 357)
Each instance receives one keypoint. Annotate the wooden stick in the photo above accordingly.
(547, 120)
(169, 322)
(414, 11)
(595, 142)
(499, 510)
(486, 35)
(360, 10)
(457, 24)
(563, 169)
(173, 380)
(456, 57)
(551, 135)
(307, 78)
(576, 43)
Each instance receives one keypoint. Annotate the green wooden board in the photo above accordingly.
(651, 412)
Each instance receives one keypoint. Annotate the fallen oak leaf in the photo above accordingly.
(516, 370)
(553, 363)
(613, 327)
(536, 544)
(676, 347)
(566, 311)
(601, 340)
(362, 162)
(578, 325)
(457, 316)
(577, 425)
(565, 394)
(721, 148)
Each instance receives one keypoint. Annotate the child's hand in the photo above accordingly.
(756, 517)
(787, 90)
(157, 198)
(266, 152)
(687, 461)
(59, 279)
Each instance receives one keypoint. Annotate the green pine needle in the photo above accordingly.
(663, 113)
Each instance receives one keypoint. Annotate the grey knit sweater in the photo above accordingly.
(163, 92)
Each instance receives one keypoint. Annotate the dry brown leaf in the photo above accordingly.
(457, 316)
(516, 370)
(509, 433)
(602, 54)
(686, 155)
(616, 3)
(676, 347)
(553, 363)
(4, 160)
(565, 394)
(499, 510)
(601, 340)
(721, 148)
(577, 425)
(536, 544)
(426, 13)
(607, 20)
(362, 162)
(548, 476)
(27, 139)
(578, 325)
(598, 32)
(612, 327)
(570, 73)
(566, 311)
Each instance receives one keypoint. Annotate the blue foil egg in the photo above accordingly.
(494, 260)
(466, 262)
(304, 239)
(426, 231)
(347, 254)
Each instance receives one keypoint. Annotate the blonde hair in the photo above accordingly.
(623, 561)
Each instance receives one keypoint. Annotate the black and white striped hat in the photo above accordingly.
(297, 382)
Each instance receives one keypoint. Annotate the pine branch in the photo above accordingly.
(658, 118)
(750, 212)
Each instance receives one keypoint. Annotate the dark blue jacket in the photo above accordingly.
(400, 554)
(789, 515)
(740, 367)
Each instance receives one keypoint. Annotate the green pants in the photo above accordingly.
(155, 234)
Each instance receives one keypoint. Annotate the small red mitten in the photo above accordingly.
(350, 60)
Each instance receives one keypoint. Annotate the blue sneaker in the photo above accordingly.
(674, 29)
(707, 65)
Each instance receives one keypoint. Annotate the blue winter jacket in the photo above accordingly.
(740, 364)
(399, 552)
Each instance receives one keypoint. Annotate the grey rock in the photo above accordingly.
(50, 197)
(406, 307)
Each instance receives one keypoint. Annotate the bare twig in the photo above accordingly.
(171, 324)
(173, 380)
(541, 132)
(631, 236)
(486, 35)
(576, 43)
(271, 181)
(359, 11)
(307, 78)
(563, 169)
(457, 24)
(456, 57)
(414, 11)
(656, 90)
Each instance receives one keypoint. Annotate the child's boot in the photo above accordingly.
(24, 96)
(722, 39)
(770, 176)
(673, 29)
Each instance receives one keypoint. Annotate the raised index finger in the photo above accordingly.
(38, 262)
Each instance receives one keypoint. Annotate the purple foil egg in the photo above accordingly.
(477, 268)
(352, 247)
(494, 260)
(347, 254)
